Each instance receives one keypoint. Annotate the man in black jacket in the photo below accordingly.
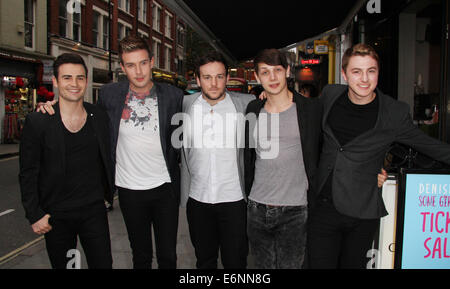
(66, 171)
(359, 123)
(147, 172)
(278, 177)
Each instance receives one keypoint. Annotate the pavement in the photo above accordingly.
(33, 255)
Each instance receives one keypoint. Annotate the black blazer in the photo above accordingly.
(309, 112)
(170, 99)
(356, 164)
(42, 159)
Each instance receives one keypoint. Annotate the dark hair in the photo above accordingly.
(68, 58)
(360, 49)
(270, 56)
(132, 43)
(210, 57)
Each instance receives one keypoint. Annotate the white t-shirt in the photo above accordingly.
(140, 163)
(212, 160)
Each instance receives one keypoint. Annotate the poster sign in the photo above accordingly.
(424, 220)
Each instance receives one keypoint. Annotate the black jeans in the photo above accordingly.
(91, 225)
(336, 240)
(277, 235)
(214, 226)
(141, 210)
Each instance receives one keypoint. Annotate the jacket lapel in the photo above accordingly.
(59, 131)
(162, 113)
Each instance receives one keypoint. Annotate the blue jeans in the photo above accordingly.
(277, 235)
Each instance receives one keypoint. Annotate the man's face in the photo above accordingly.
(361, 75)
(71, 82)
(137, 65)
(213, 80)
(272, 78)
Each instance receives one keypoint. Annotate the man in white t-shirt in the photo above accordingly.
(212, 168)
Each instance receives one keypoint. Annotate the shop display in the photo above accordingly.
(18, 103)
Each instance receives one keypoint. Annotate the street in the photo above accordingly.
(15, 229)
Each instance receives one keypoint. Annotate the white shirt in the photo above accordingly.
(140, 163)
(212, 159)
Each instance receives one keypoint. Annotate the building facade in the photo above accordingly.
(23, 56)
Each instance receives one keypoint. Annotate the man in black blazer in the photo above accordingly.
(66, 171)
(359, 123)
(147, 172)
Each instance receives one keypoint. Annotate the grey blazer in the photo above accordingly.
(356, 164)
(240, 102)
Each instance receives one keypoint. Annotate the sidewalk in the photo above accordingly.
(35, 256)
(8, 150)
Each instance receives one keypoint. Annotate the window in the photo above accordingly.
(156, 17)
(63, 18)
(100, 28)
(70, 21)
(143, 35)
(123, 30)
(105, 33)
(29, 23)
(124, 5)
(156, 51)
(180, 36)
(169, 18)
(168, 58)
(142, 10)
(95, 28)
(76, 27)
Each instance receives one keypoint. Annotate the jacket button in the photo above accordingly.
(341, 149)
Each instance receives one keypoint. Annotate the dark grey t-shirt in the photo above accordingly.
(279, 180)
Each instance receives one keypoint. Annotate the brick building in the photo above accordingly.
(83, 26)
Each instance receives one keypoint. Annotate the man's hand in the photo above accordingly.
(46, 107)
(382, 177)
(42, 226)
(262, 96)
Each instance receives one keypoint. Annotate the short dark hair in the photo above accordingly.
(132, 43)
(68, 58)
(360, 49)
(210, 57)
(270, 56)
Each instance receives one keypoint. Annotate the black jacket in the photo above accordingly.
(309, 113)
(170, 99)
(42, 159)
(356, 164)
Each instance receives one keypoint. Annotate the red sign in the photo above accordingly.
(310, 61)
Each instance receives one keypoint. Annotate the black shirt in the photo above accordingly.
(347, 121)
(83, 184)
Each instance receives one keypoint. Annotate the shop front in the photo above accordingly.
(19, 91)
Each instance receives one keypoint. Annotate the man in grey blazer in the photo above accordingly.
(212, 167)
(359, 123)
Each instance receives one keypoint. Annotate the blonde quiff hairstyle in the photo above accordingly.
(132, 43)
(360, 49)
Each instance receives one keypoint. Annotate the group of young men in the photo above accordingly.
(296, 179)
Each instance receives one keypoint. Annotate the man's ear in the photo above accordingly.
(55, 81)
(344, 75)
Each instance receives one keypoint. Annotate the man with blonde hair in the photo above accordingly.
(359, 125)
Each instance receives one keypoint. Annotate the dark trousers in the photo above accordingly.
(218, 226)
(90, 224)
(141, 210)
(277, 235)
(336, 240)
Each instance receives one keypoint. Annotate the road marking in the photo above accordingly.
(7, 212)
(9, 158)
(8, 257)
